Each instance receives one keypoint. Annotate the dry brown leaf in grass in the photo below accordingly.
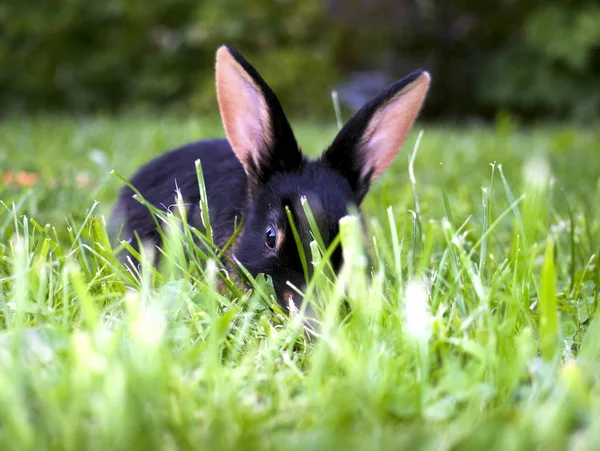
(21, 179)
(26, 179)
(7, 178)
(82, 180)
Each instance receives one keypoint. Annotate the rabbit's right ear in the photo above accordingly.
(371, 139)
(253, 119)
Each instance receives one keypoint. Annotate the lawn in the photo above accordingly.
(471, 328)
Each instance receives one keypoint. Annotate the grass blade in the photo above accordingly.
(548, 314)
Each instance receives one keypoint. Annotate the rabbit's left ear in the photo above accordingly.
(372, 138)
(254, 121)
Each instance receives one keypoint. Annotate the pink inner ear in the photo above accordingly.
(244, 111)
(390, 125)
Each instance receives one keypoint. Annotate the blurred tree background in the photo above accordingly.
(534, 59)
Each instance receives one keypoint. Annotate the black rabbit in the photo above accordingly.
(259, 171)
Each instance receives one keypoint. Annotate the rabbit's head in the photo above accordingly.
(279, 176)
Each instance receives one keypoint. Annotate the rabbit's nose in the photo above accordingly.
(292, 301)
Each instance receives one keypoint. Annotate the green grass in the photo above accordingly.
(473, 329)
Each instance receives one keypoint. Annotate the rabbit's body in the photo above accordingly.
(157, 182)
(327, 191)
(259, 174)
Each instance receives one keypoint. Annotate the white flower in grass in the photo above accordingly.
(416, 310)
(147, 322)
(537, 173)
(148, 327)
(148, 252)
(88, 359)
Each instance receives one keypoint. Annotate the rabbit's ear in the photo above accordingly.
(372, 138)
(253, 119)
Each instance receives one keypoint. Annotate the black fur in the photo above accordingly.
(157, 181)
(226, 187)
(260, 194)
(311, 179)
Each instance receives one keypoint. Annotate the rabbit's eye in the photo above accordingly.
(270, 237)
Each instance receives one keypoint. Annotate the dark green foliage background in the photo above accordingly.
(531, 58)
